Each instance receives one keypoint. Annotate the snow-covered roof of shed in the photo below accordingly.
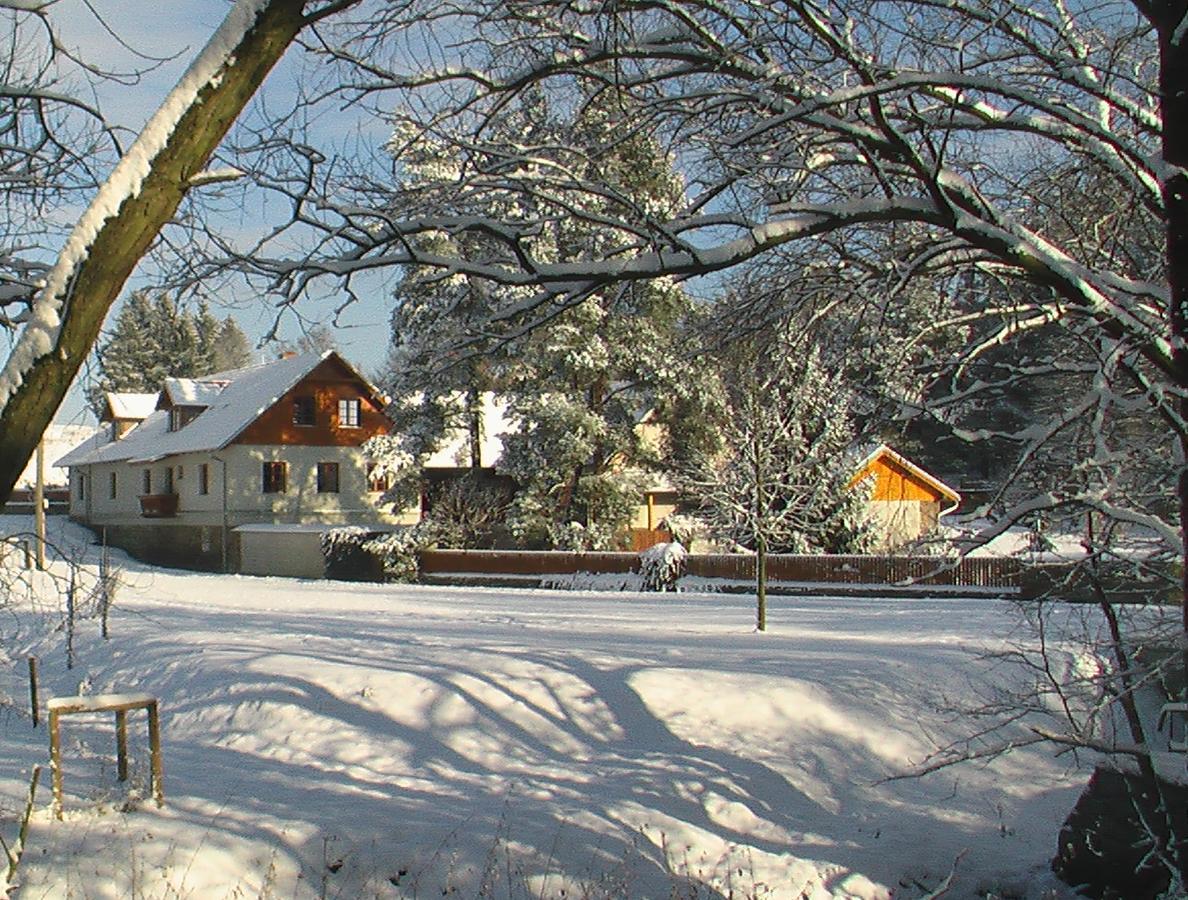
(121, 405)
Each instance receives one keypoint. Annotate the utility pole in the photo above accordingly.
(39, 503)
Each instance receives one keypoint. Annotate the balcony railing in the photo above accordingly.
(158, 506)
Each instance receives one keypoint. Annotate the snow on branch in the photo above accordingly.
(40, 334)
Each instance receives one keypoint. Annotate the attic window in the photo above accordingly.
(303, 410)
(181, 416)
(348, 413)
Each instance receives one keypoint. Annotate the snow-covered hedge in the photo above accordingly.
(357, 554)
(346, 560)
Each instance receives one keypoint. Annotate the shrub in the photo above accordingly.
(661, 566)
(345, 558)
(397, 553)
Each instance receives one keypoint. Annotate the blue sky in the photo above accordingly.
(178, 29)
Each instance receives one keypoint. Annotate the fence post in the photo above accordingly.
(33, 701)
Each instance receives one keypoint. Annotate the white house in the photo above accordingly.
(272, 443)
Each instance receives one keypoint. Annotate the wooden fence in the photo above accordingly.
(852, 570)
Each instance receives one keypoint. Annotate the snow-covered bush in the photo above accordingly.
(661, 566)
(398, 552)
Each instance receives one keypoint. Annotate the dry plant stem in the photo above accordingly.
(34, 704)
(15, 852)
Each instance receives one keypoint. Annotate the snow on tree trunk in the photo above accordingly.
(138, 198)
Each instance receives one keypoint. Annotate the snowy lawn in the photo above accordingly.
(327, 739)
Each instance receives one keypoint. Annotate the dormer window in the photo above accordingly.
(348, 413)
(181, 416)
(303, 411)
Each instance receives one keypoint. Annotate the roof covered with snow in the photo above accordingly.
(121, 405)
(233, 400)
(192, 391)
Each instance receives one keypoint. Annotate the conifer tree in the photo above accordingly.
(231, 349)
(577, 388)
(153, 340)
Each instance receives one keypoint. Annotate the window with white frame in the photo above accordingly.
(348, 413)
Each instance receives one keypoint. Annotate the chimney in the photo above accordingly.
(287, 354)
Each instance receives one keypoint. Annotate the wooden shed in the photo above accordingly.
(905, 500)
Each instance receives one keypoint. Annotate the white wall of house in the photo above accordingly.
(300, 502)
(243, 501)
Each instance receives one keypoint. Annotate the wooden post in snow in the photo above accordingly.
(39, 504)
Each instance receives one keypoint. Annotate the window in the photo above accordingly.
(204, 479)
(328, 478)
(169, 480)
(377, 481)
(348, 413)
(112, 490)
(274, 477)
(175, 419)
(146, 482)
(303, 410)
(82, 486)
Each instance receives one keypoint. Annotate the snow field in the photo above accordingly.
(326, 739)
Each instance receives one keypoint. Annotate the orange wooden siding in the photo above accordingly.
(894, 482)
(327, 384)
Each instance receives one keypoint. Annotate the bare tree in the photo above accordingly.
(907, 140)
(1028, 159)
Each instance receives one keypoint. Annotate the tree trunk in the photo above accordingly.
(124, 237)
(1173, 98)
(474, 426)
(761, 583)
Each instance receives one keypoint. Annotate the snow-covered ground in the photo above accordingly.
(326, 739)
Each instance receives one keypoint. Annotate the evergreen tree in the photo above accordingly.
(317, 339)
(153, 340)
(207, 329)
(579, 387)
(231, 348)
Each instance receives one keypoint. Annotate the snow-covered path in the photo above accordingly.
(515, 743)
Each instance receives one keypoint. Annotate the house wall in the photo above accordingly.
(300, 502)
(245, 500)
(656, 507)
(901, 521)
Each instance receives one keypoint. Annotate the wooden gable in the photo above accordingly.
(320, 393)
(897, 480)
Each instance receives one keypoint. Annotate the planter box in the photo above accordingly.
(158, 506)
